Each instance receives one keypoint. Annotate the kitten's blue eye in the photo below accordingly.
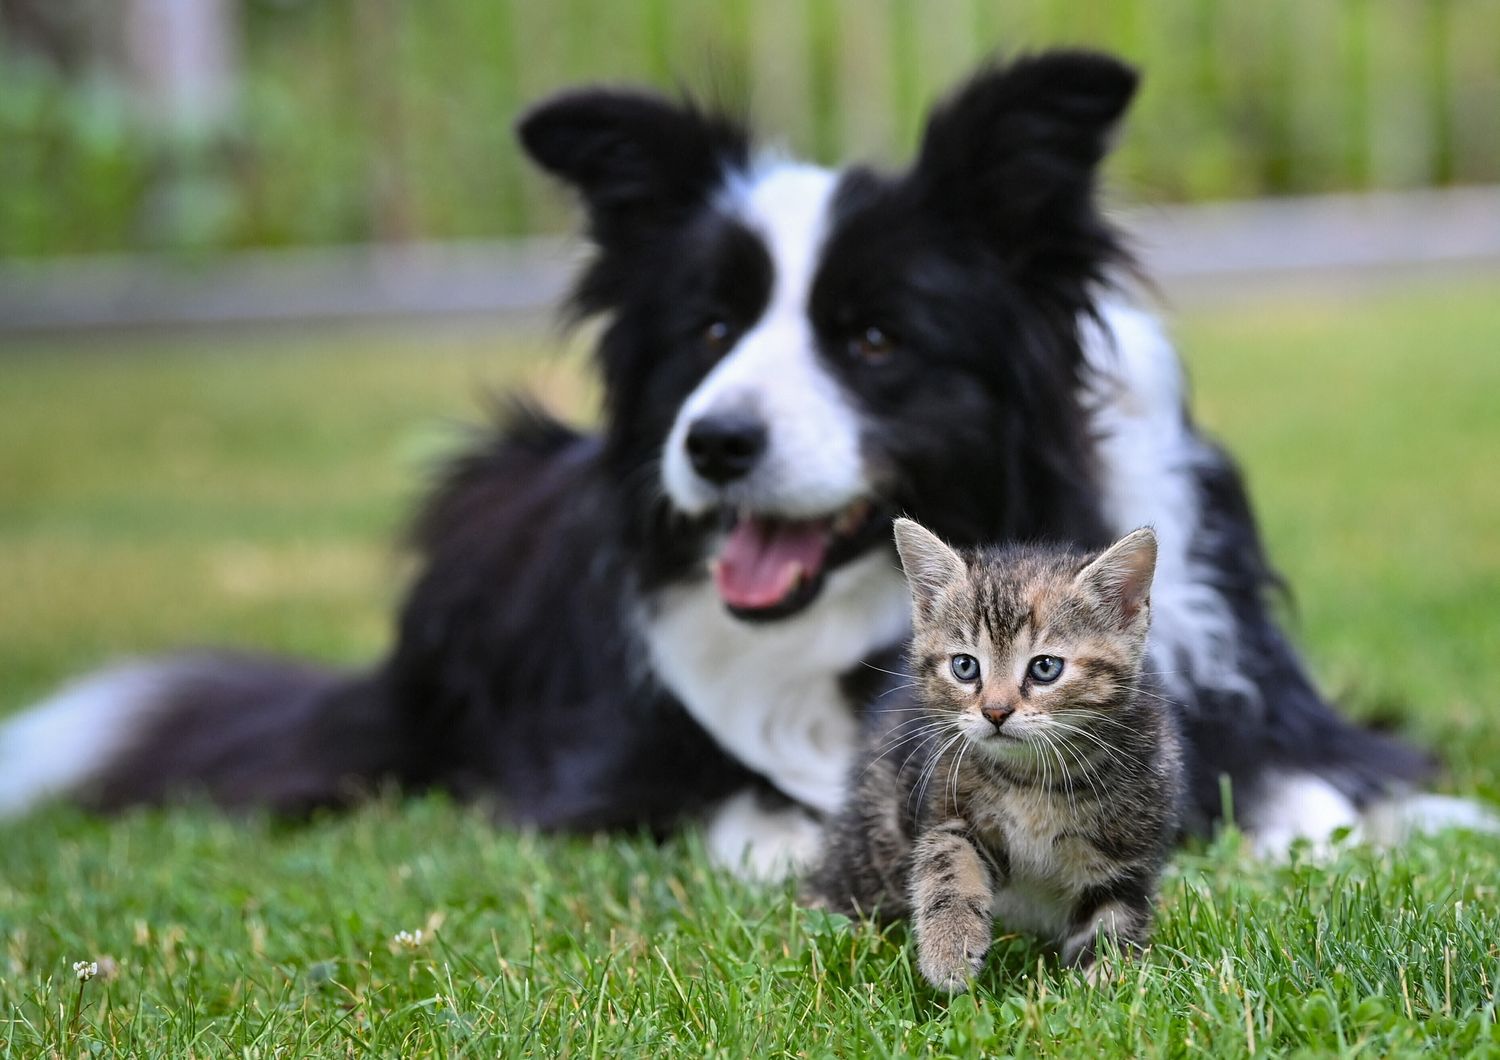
(1045, 669)
(965, 667)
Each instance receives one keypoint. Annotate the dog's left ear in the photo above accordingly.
(640, 161)
(1013, 153)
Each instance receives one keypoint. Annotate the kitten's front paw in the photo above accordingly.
(951, 959)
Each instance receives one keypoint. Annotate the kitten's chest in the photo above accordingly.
(1042, 838)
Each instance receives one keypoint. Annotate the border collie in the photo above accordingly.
(687, 611)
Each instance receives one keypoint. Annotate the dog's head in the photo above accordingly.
(794, 354)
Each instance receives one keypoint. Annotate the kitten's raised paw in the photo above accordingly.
(950, 965)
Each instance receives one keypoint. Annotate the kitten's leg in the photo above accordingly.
(866, 854)
(951, 893)
(1120, 912)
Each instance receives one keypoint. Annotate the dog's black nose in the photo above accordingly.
(725, 447)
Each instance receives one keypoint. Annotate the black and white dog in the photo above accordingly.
(687, 611)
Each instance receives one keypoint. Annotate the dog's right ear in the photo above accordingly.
(1012, 156)
(637, 159)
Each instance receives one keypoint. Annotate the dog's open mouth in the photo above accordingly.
(770, 567)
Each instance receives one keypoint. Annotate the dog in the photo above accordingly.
(685, 614)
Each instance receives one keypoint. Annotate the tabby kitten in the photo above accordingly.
(1036, 778)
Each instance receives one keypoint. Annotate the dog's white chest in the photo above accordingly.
(769, 693)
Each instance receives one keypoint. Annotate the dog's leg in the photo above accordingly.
(763, 836)
(1296, 806)
(1292, 806)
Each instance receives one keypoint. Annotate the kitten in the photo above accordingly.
(1035, 779)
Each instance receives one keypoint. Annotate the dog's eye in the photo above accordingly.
(871, 346)
(1045, 669)
(965, 667)
(717, 335)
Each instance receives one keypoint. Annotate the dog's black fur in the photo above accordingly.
(519, 672)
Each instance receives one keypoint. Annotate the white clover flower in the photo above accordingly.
(85, 970)
(409, 939)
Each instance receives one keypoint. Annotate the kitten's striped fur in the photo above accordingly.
(1050, 805)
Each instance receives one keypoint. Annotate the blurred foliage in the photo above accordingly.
(72, 169)
(390, 119)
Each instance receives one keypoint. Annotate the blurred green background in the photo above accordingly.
(330, 121)
(242, 485)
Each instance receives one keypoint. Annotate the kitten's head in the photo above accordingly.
(1021, 647)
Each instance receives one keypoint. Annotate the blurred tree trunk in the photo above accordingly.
(182, 60)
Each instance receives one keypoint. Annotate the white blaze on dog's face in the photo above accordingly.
(770, 434)
(810, 466)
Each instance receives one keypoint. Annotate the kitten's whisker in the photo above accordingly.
(1113, 753)
(918, 734)
(937, 761)
(1086, 767)
(1050, 787)
(926, 742)
(953, 774)
(1064, 779)
(893, 673)
(1146, 692)
(888, 710)
(919, 719)
(931, 767)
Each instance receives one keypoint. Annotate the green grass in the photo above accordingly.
(246, 490)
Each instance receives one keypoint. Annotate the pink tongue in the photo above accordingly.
(764, 559)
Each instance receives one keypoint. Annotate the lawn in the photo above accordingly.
(247, 489)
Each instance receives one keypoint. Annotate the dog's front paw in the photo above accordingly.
(1096, 971)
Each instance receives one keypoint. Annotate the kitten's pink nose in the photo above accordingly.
(996, 713)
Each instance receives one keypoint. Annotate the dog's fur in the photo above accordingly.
(951, 341)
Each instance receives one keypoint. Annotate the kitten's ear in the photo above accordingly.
(1121, 577)
(930, 565)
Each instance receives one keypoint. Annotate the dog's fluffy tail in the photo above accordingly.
(240, 731)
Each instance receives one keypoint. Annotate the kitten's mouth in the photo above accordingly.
(999, 741)
(770, 567)
(996, 738)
